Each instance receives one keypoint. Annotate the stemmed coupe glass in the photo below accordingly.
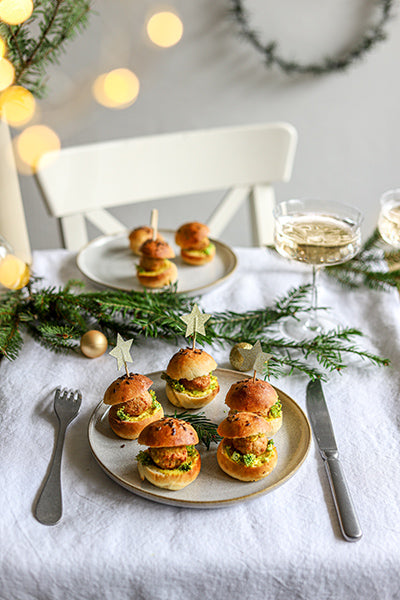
(319, 233)
(389, 217)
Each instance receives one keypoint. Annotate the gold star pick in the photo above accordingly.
(122, 352)
(254, 358)
(195, 322)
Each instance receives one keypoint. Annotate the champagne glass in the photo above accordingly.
(319, 233)
(389, 217)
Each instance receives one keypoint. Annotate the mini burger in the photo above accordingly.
(245, 452)
(196, 248)
(257, 397)
(171, 461)
(138, 236)
(133, 405)
(189, 379)
(155, 270)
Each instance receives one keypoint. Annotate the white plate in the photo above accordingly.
(108, 260)
(212, 488)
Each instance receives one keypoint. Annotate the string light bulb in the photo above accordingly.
(165, 29)
(15, 12)
(33, 144)
(3, 47)
(17, 105)
(118, 88)
(7, 74)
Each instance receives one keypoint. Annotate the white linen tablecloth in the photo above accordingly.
(287, 544)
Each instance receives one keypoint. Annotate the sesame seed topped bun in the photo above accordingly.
(168, 432)
(242, 424)
(138, 236)
(157, 249)
(251, 396)
(192, 235)
(126, 388)
(190, 364)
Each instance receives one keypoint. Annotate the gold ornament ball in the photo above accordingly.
(235, 358)
(93, 343)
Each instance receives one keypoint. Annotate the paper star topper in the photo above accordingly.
(254, 358)
(122, 352)
(195, 322)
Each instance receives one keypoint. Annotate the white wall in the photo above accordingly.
(348, 123)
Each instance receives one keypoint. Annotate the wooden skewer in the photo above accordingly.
(254, 376)
(154, 222)
(126, 369)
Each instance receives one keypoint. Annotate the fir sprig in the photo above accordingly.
(58, 317)
(370, 267)
(205, 428)
(40, 40)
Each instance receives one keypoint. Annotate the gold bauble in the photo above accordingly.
(235, 358)
(93, 343)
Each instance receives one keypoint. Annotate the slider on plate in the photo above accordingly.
(171, 461)
(196, 248)
(190, 382)
(257, 397)
(133, 405)
(246, 452)
(138, 236)
(155, 270)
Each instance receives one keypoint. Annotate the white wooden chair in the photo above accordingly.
(246, 160)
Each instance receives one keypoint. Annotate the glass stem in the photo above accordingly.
(313, 323)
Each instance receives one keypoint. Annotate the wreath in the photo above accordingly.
(270, 50)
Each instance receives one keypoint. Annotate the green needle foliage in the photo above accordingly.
(206, 429)
(369, 267)
(58, 317)
(41, 40)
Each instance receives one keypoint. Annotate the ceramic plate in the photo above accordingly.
(108, 260)
(212, 488)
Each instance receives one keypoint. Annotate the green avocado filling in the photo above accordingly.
(210, 248)
(164, 266)
(145, 458)
(155, 405)
(275, 410)
(250, 460)
(174, 383)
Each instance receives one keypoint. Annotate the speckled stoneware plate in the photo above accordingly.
(108, 260)
(212, 488)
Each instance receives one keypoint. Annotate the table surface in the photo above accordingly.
(111, 543)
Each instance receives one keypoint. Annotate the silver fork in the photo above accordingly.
(49, 506)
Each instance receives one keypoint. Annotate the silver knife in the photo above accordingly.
(323, 431)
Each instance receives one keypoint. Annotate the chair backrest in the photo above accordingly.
(245, 160)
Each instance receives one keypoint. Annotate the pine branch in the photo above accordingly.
(41, 39)
(57, 318)
(205, 429)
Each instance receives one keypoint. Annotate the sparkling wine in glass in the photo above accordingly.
(389, 218)
(318, 233)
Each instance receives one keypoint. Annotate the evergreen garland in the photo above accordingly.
(58, 317)
(370, 267)
(272, 56)
(42, 38)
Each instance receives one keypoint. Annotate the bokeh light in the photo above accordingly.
(165, 29)
(7, 73)
(31, 146)
(17, 105)
(117, 89)
(15, 12)
(3, 47)
(14, 273)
